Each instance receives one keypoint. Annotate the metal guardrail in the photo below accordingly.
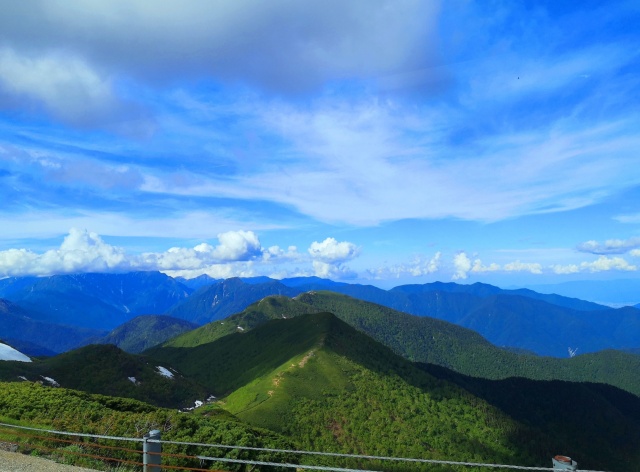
(152, 453)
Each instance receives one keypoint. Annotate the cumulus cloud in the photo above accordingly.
(518, 266)
(418, 267)
(277, 253)
(462, 266)
(216, 271)
(81, 251)
(327, 270)
(635, 253)
(610, 246)
(602, 264)
(479, 267)
(234, 246)
(329, 256)
(565, 269)
(330, 250)
(237, 254)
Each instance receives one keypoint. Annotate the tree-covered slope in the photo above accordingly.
(423, 339)
(316, 379)
(107, 370)
(146, 331)
(464, 351)
(269, 308)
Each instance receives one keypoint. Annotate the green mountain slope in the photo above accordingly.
(424, 339)
(146, 331)
(107, 370)
(329, 387)
(269, 308)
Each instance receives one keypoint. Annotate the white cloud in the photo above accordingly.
(237, 254)
(305, 43)
(330, 250)
(635, 253)
(602, 264)
(67, 86)
(278, 254)
(234, 246)
(462, 266)
(327, 270)
(610, 246)
(518, 266)
(81, 251)
(565, 269)
(237, 245)
(416, 268)
(328, 258)
(217, 271)
(478, 267)
(384, 162)
(633, 218)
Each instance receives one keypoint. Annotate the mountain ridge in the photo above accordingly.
(335, 388)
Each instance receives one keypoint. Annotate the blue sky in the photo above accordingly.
(380, 142)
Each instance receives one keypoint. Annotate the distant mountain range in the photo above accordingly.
(96, 301)
(545, 324)
(521, 320)
(617, 292)
(40, 338)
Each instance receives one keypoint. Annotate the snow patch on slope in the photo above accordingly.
(7, 353)
(51, 381)
(164, 372)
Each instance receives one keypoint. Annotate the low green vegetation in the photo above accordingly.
(68, 410)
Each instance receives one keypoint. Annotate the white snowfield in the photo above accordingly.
(164, 372)
(7, 353)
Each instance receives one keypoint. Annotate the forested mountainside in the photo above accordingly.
(316, 379)
(424, 339)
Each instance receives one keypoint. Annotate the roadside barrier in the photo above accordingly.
(150, 456)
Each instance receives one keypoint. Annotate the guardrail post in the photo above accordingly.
(564, 463)
(151, 458)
